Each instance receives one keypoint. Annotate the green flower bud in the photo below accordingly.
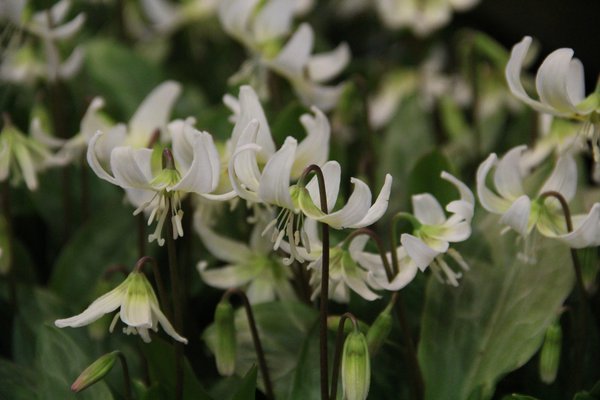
(95, 372)
(380, 330)
(356, 367)
(225, 348)
(550, 353)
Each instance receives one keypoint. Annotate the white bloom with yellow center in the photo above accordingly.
(138, 309)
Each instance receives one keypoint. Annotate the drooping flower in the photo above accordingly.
(252, 266)
(192, 167)
(167, 17)
(138, 309)
(523, 213)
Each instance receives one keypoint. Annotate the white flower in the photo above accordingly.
(192, 167)
(253, 265)
(433, 231)
(166, 17)
(522, 213)
(138, 305)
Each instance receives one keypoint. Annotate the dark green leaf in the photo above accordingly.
(16, 382)
(247, 390)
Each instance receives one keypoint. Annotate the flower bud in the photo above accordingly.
(356, 367)
(95, 372)
(550, 353)
(225, 348)
(379, 331)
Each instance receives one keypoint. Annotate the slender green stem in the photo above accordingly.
(324, 281)
(162, 293)
(141, 234)
(126, 376)
(177, 307)
(85, 190)
(580, 343)
(339, 345)
(260, 354)
(6, 209)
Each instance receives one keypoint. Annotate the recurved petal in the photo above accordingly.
(517, 216)
(240, 187)
(102, 305)
(325, 66)
(166, 325)
(251, 109)
(315, 94)
(586, 230)
(94, 162)
(427, 209)
(296, 52)
(378, 208)
(513, 75)
(273, 20)
(488, 199)
(507, 178)
(226, 277)
(331, 175)
(274, 185)
(552, 81)
(355, 278)
(465, 206)
(314, 149)
(131, 167)
(222, 247)
(407, 272)
(416, 249)
(563, 178)
(243, 163)
(203, 174)
(154, 112)
(234, 16)
(355, 209)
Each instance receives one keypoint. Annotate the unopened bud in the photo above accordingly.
(380, 330)
(356, 367)
(550, 354)
(95, 372)
(225, 349)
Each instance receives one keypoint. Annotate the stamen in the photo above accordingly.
(114, 322)
(450, 274)
(456, 256)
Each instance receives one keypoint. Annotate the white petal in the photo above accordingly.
(314, 149)
(427, 209)
(154, 112)
(355, 209)
(294, 55)
(73, 64)
(421, 254)
(517, 216)
(355, 278)
(513, 75)
(273, 20)
(94, 162)
(131, 167)
(251, 109)
(240, 187)
(36, 131)
(314, 94)
(378, 208)
(203, 174)
(67, 30)
(27, 166)
(331, 175)
(275, 180)
(507, 178)
(166, 325)
(563, 178)
(407, 272)
(234, 16)
(222, 247)
(102, 305)
(325, 66)
(586, 230)
(230, 276)
(488, 199)
(261, 290)
(92, 122)
(136, 310)
(466, 205)
(244, 164)
(552, 81)
(455, 232)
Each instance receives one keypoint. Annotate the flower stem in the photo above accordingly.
(260, 354)
(339, 345)
(6, 209)
(324, 281)
(177, 306)
(126, 376)
(162, 293)
(580, 342)
(85, 190)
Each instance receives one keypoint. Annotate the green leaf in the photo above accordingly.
(16, 381)
(161, 365)
(59, 361)
(495, 320)
(105, 240)
(519, 397)
(425, 177)
(247, 390)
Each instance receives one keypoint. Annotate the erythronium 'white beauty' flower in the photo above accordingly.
(433, 231)
(307, 72)
(252, 266)
(523, 213)
(166, 16)
(138, 305)
(422, 16)
(21, 157)
(192, 167)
